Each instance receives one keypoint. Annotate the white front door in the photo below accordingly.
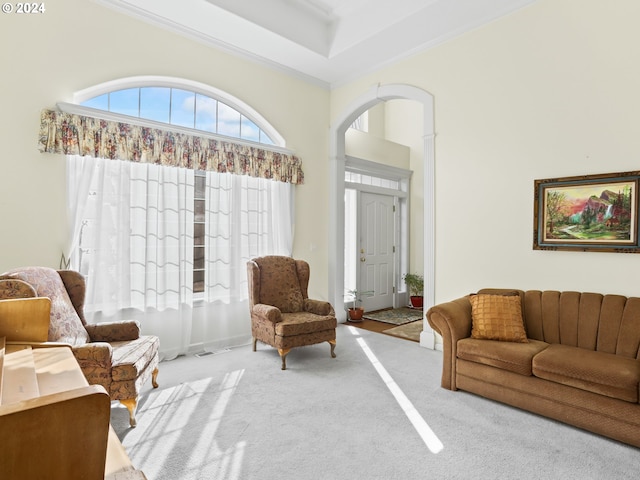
(377, 252)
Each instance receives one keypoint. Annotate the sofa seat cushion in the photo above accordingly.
(301, 323)
(512, 356)
(598, 372)
(130, 358)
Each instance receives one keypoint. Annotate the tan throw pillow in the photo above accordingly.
(497, 317)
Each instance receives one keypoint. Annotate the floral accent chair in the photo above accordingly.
(112, 354)
(282, 314)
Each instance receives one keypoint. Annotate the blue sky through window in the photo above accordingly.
(126, 102)
(155, 104)
(181, 108)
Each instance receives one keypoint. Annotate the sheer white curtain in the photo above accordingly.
(245, 217)
(132, 237)
(134, 244)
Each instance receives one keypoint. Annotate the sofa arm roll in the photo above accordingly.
(267, 312)
(319, 307)
(114, 331)
(95, 362)
(452, 320)
(13, 288)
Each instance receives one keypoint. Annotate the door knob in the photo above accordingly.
(363, 259)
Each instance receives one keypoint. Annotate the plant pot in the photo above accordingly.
(355, 314)
(417, 301)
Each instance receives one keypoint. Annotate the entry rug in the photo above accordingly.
(410, 331)
(395, 316)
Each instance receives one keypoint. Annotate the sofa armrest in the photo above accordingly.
(114, 331)
(93, 354)
(13, 288)
(95, 362)
(452, 320)
(267, 312)
(318, 307)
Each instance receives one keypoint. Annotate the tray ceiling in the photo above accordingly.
(326, 41)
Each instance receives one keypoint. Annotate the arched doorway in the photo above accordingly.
(375, 95)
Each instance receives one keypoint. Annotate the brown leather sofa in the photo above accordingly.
(579, 363)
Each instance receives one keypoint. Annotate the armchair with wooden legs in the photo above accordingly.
(282, 315)
(114, 354)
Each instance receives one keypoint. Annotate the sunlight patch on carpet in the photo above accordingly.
(430, 439)
(167, 415)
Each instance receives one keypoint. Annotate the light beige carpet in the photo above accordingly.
(410, 331)
(235, 415)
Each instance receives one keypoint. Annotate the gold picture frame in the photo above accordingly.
(589, 213)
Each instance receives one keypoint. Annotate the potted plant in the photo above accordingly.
(415, 285)
(355, 311)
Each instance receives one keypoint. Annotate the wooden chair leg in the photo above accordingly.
(283, 353)
(255, 341)
(333, 347)
(131, 404)
(154, 378)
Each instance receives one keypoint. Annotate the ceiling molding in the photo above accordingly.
(325, 42)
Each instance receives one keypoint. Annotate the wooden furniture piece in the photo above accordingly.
(53, 424)
(282, 314)
(112, 354)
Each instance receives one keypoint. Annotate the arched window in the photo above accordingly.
(153, 236)
(181, 103)
(183, 108)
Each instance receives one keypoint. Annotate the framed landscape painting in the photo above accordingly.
(587, 213)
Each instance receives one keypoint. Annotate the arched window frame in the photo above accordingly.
(173, 82)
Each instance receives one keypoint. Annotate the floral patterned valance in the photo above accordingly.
(72, 134)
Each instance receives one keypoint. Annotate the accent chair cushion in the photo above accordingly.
(302, 323)
(497, 317)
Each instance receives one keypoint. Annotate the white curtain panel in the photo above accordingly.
(134, 244)
(131, 230)
(246, 217)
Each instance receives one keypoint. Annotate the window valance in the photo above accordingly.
(72, 134)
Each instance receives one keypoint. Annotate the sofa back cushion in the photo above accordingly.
(65, 324)
(604, 323)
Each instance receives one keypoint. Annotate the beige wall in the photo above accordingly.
(551, 90)
(76, 44)
(548, 91)
(404, 124)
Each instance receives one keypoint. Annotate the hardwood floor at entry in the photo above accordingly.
(370, 325)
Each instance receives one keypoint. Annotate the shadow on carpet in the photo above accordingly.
(395, 316)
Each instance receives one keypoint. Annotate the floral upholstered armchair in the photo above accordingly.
(113, 354)
(282, 315)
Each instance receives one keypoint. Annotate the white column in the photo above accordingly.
(428, 336)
